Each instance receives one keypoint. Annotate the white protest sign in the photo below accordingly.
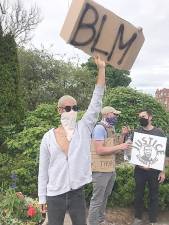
(96, 30)
(148, 151)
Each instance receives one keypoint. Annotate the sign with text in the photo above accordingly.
(96, 30)
(103, 163)
(148, 151)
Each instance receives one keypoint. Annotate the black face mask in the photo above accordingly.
(143, 122)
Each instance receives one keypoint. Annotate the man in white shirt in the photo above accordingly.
(65, 164)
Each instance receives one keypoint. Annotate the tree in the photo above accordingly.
(18, 21)
(45, 79)
(11, 112)
(130, 101)
(114, 77)
(11, 109)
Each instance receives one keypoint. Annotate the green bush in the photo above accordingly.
(122, 194)
(22, 154)
(17, 209)
(123, 191)
(10, 97)
(130, 101)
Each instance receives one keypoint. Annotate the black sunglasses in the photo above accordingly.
(69, 108)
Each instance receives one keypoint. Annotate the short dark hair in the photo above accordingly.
(148, 111)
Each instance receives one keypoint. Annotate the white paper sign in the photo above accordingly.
(148, 151)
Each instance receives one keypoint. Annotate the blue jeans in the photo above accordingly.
(73, 202)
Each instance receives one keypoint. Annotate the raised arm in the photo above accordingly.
(101, 71)
(92, 113)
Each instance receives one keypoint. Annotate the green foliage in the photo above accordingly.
(10, 101)
(124, 187)
(130, 101)
(45, 79)
(23, 149)
(22, 154)
(88, 193)
(123, 191)
(11, 112)
(14, 208)
(114, 77)
(6, 165)
(44, 115)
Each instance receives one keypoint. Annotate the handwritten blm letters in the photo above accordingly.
(96, 30)
(148, 151)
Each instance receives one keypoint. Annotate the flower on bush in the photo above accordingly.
(31, 211)
(14, 206)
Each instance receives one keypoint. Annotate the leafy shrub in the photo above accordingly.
(22, 155)
(123, 191)
(16, 209)
(122, 194)
(130, 101)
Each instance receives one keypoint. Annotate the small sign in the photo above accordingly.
(148, 151)
(96, 30)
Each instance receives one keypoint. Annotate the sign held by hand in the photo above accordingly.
(96, 30)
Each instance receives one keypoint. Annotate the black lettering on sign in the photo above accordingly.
(95, 35)
(98, 36)
(88, 26)
(122, 45)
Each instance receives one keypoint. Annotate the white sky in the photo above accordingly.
(151, 68)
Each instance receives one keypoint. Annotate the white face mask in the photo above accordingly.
(68, 121)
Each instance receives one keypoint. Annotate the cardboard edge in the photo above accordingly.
(71, 17)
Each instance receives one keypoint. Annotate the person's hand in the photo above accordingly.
(125, 130)
(43, 208)
(161, 177)
(99, 62)
(125, 146)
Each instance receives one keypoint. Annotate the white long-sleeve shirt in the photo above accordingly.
(59, 173)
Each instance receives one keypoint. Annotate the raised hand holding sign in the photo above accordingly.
(94, 29)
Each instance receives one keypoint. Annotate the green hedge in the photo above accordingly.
(20, 157)
(123, 191)
(22, 150)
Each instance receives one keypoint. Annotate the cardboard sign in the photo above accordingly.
(96, 30)
(103, 163)
(148, 151)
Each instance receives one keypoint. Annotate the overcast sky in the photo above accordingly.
(151, 68)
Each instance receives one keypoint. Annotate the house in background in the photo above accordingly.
(162, 96)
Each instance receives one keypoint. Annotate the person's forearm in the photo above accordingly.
(108, 150)
(101, 76)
